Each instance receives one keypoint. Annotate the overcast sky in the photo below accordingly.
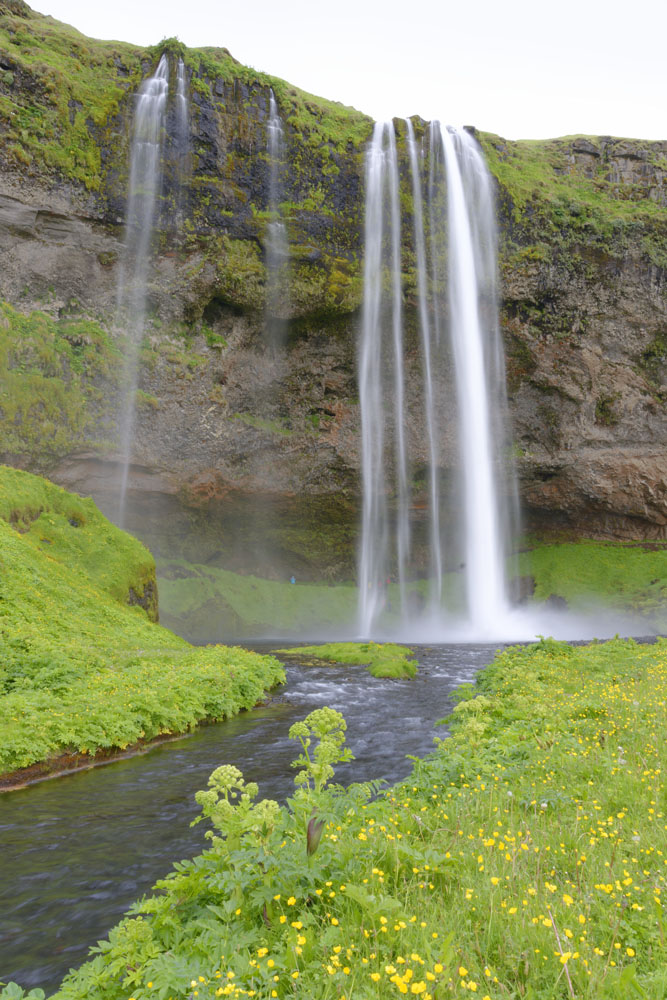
(526, 69)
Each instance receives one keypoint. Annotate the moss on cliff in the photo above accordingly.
(55, 380)
(581, 189)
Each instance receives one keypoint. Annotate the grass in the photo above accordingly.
(382, 659)
(194, 596)
(526, 857)
(80, 669)
(624, 576)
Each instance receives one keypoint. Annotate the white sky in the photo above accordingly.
(522, 68)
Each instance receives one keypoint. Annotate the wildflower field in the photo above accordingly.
(80, 669)
(526, 857)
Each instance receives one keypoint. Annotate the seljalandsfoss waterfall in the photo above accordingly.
(275, 371)
(433, 550)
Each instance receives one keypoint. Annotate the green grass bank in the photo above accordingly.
(380, 659)
(526, 857)
(84, 668)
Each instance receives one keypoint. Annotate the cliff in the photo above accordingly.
(251, 457)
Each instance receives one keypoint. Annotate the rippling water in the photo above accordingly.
(78, 850)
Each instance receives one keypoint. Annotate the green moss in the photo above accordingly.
(56, 378)
(551, 199)
(382, 659)
(261, 424)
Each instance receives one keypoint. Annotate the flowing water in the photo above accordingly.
(381, 379)
(277, 249)
(79, 849)
(144, 189)
(457, 318)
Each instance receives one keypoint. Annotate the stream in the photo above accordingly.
(78, 850)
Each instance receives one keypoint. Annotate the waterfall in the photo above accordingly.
(383, 551)
(144, 189)
(182, 132)
(277, 250)
(427, 337)
(454, 241)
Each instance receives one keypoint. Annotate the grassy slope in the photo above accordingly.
(525, 858)
(249, 604)
(80, 670)
(618, 575)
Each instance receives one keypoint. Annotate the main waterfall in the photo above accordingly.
(437, 508)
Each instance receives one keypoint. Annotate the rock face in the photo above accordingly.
(251, 455)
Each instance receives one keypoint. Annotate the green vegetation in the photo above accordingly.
(204, 601)
(382, 659)
(81, 671)
(556, 202)
(64, 95)
(56, 377)
(630, 576)
(524, 858)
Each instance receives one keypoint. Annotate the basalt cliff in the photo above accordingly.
(247, 456)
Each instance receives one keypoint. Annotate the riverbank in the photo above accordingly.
(524, 857)
(85, 669)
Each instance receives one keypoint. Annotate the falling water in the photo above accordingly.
(144, 189)
(277, 250)
(182, 131)
(475, 344)
(381, 311)
(455, 292)
(427, 336)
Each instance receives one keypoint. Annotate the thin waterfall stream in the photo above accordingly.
(144, 188)
(277, 248)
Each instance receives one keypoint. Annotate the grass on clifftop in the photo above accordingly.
(80, 670)
(381, 659)
(525, 858)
